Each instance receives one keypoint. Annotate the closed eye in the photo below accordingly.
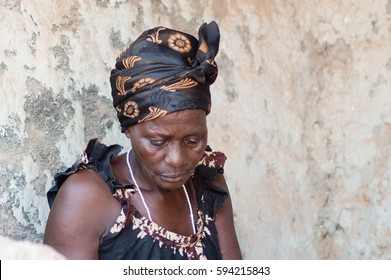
(192, 142)
(158, 143)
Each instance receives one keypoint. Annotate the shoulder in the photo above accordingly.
(87, 183)
(214, 162)
(83, 208)
(83, 211)
(85, 194)
(97, 157)
(211, 167)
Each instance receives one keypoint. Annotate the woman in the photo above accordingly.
(166, 198)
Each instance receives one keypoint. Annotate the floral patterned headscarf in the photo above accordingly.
(164, 71)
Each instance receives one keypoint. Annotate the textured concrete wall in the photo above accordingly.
(301, 107)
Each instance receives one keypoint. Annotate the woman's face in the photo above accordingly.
(166, 150)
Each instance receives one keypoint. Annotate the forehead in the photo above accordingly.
(180, 122)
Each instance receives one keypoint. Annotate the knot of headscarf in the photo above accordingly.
(164, 71)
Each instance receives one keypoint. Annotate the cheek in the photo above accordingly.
(150, 163)
(196, 154)
(142, 146)
(144, 155)
(148, 155)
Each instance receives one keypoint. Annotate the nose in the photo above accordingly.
(176, 155)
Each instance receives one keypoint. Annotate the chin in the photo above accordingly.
(172, 183)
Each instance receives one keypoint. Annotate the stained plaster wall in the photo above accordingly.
(301, 107)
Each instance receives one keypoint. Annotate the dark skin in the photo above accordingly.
(164, 154)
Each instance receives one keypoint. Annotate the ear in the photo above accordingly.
(128, 133)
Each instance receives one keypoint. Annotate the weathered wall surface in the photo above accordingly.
(301, 107)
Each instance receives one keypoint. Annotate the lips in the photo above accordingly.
(174, 178)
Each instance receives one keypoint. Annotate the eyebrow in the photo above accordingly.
(162, 133)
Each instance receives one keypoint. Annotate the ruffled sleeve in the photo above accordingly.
(210, 196)
(96, 156)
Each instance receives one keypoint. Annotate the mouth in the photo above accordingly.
(174, 178)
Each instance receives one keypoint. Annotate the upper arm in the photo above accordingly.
(81, 213)
(228, 241)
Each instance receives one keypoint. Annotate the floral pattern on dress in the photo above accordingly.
(213, 159)
(119, 223)
(184, 245)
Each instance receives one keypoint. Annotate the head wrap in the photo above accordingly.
(164, 71)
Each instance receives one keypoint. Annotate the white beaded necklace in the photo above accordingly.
(145, 204)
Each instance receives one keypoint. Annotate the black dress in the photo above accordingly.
(134, 236)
